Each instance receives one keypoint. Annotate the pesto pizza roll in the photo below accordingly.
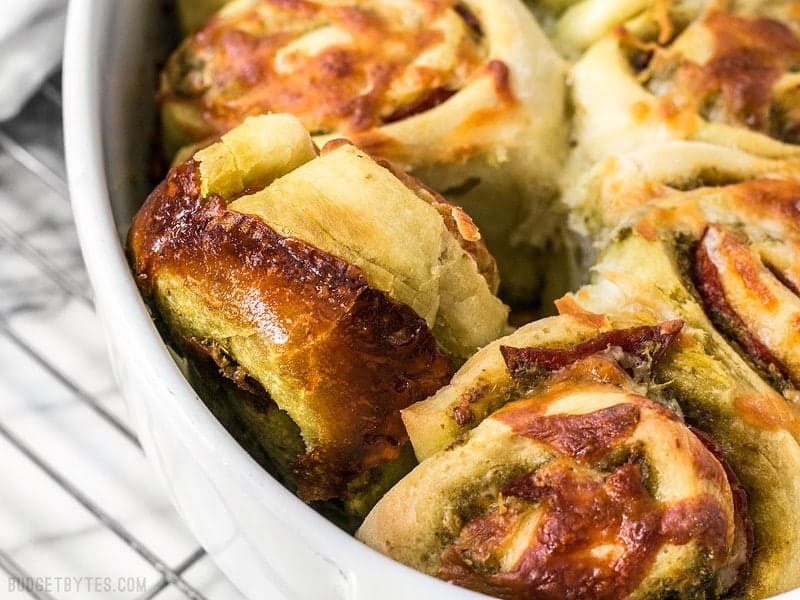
(731, 221)
(717, 390)
(655, 344)
(722, 258)
(468, 96)
(577, 487)
(727, 78)
(327, 285)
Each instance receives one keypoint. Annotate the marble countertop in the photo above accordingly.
(81, 515)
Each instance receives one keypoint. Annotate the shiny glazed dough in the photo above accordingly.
(334, 315)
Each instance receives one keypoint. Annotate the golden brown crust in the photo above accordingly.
(244, 64)
(582, 512)
(581, 490)
(736, 82)
(767, 197)
(358, 356)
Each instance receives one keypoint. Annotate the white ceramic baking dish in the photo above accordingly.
(269, 543)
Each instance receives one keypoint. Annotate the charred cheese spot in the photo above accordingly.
(597, 536)
(585, 437)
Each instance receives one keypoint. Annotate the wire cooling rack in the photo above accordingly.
(60, 413)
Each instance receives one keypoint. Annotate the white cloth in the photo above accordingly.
(31, 41)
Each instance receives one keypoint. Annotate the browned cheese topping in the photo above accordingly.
(768, 199)
(745, 79)
(338, 66)
(581, 512)
(593, 524)
(583, 508)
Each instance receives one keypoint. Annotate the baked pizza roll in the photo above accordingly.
(330, 285)
(722, 258)
(756, 428)
(738, 240)
(467, 95)
(654, 347)
(577, 487)
(728, 78)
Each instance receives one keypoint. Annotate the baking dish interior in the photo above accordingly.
(266, 540)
